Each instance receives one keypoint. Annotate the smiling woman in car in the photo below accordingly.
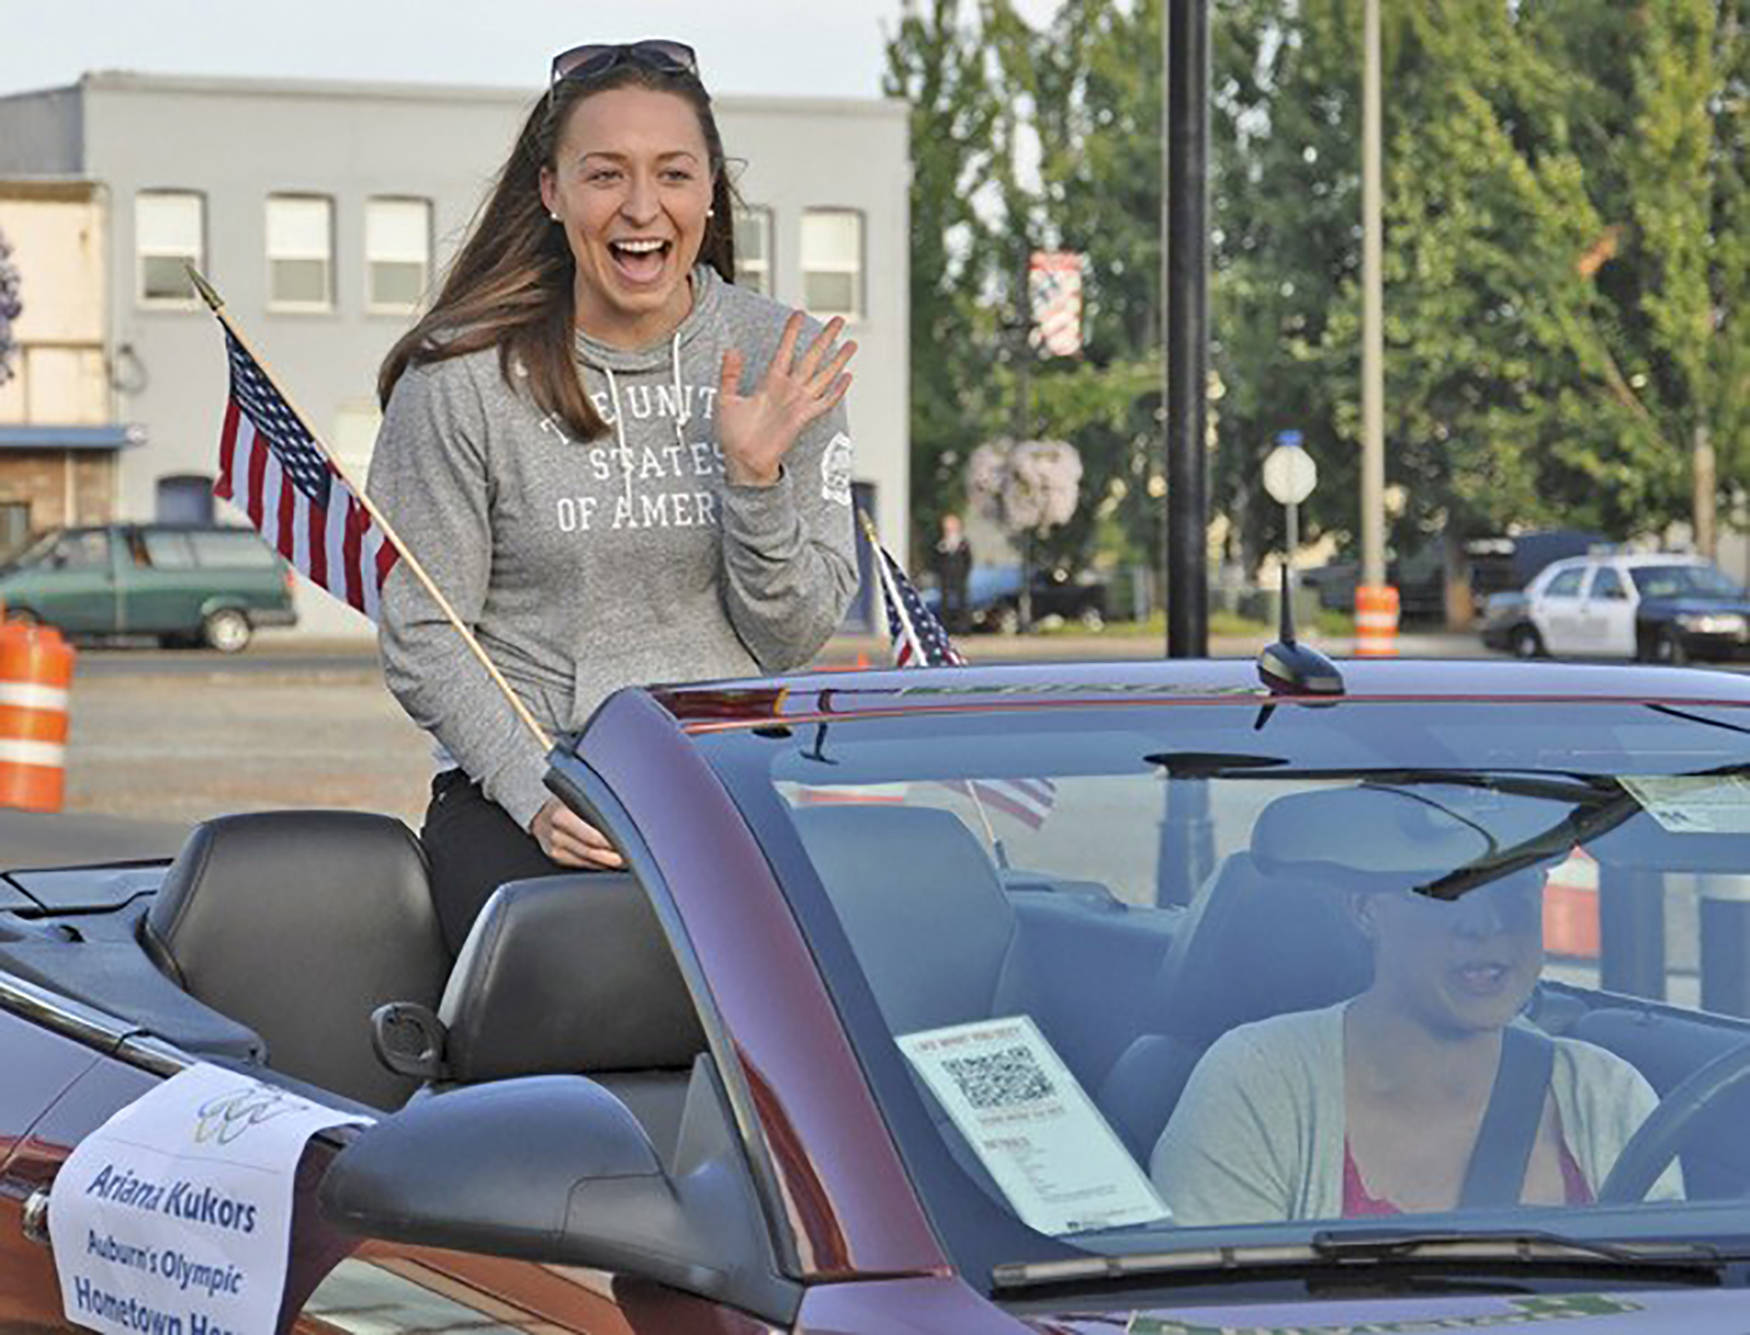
(617, 465)
(1423, 1093)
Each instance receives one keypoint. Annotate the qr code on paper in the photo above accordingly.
(1000, 1079)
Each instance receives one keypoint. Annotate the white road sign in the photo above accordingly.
(1289, 474)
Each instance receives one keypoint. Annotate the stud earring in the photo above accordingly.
(710, 213)
(554, 216)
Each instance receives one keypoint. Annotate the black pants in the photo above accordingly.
(474, 847)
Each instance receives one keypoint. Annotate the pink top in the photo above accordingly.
(1357, 1203)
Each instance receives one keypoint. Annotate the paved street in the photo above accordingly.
(162, 739)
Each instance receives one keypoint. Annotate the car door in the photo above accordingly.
(1555, 610)
(74, 587)
(1607, 615)
(160, 590)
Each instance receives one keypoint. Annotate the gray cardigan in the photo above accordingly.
(1257, 1136)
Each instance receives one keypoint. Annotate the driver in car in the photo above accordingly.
(1374, 1106)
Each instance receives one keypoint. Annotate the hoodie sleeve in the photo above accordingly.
(789, 550)
(430, 478)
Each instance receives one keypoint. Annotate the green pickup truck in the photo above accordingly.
(182, 584)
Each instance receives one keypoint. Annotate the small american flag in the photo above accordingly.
(919, 640)
(273, 470)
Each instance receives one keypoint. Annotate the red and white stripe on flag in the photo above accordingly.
(335, 545)
(1054, 287)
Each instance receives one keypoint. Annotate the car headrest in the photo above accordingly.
(921, 902)
(1253, 946)
(567, 975)
(299, 924)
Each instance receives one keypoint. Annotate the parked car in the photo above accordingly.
(908, 971)
(181, 584)
(1494, 565)
(1656, 607)
(1508, 564)
(993, 598)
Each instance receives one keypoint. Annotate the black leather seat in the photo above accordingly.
(931, 924)
(566, 975)
(299, 924)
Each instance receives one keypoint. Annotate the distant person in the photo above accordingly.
(618, 466)
(952, 561)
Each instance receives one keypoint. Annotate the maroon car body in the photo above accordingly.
(846, 1240)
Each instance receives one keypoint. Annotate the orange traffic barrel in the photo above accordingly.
(1570, 908)
(36, 673)
(1376, 621)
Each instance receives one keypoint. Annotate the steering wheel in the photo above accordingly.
(1658, 1139)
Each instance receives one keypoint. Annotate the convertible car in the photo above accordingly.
(896, 1018)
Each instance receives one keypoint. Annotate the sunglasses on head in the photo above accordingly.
(594, 59)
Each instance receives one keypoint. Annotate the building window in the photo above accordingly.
(184, 498)
(14, 526)
(397, 253)
(753, 249)
(169, 235)
(300, 250)
(832, 262)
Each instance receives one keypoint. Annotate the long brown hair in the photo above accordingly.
(510, 285)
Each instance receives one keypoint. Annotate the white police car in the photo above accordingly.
(1656, 607)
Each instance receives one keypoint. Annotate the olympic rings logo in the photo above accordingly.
(225, 1117)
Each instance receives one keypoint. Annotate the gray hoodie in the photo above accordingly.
(585, 566)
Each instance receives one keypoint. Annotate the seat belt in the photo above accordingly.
(1495, 1175)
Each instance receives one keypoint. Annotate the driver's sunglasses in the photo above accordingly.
(594, 59)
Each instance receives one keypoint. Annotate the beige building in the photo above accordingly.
(59, 438)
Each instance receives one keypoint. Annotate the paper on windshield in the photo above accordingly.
(175, 1215)
(1032, 1125)
(1693, 803)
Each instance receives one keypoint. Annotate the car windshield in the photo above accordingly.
(1684, 582)
(31, 553)
(1126, 976)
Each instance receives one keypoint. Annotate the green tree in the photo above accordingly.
(936, 61)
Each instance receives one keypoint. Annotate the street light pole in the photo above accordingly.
(1372, 315)
(1185, 277)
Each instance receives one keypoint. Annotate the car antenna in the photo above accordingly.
(1290, 668)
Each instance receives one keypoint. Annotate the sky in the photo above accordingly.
(828, 48)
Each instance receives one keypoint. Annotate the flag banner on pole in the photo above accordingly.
(1028, 800)
(918, 639)
(273, 470)
(1054, 288)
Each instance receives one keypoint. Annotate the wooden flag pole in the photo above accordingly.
(217, 305)
(889, 594)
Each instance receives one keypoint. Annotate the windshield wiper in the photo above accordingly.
(1554, 784)
(1530, 1245)
(1349, 1250)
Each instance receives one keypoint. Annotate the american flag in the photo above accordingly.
(919, 640)
(1027, 800)
(1054, 284)
(908, 620)
(271, 468)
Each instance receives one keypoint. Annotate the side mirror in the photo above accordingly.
(547, 1168)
